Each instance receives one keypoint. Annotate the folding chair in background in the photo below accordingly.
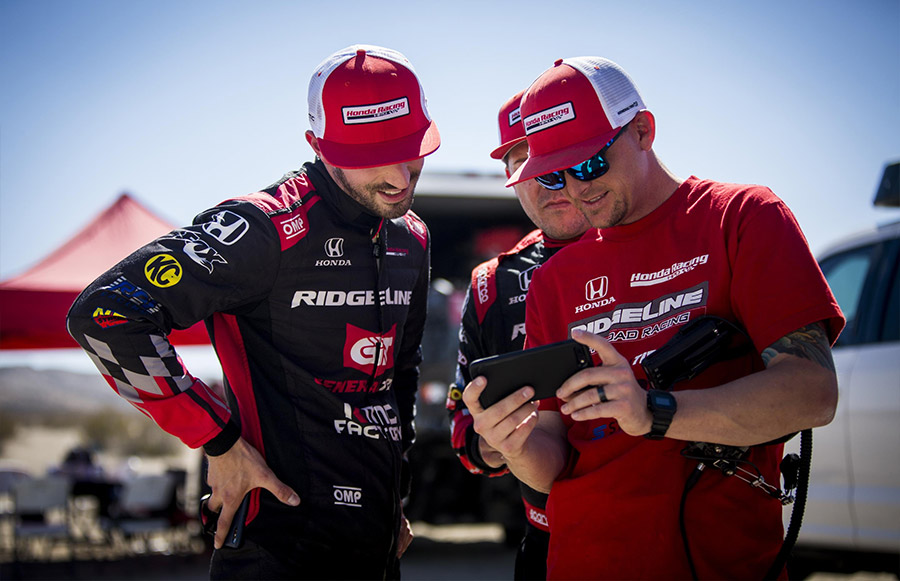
(41, 518)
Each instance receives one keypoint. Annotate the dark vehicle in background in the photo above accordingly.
(472, 218)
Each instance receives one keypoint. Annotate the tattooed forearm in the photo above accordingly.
(809, 342)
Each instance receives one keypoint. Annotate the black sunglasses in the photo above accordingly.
(590, 169)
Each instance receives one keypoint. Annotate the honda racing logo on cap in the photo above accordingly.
(334, 247)
(375, 113)
(549, 118)
(515, 116)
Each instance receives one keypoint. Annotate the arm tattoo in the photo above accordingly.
(809, 342)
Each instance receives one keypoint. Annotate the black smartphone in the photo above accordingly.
(208, 520)
(544, 368)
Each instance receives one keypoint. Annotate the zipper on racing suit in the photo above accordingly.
(379, 249)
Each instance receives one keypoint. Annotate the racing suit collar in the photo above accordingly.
(346, 207)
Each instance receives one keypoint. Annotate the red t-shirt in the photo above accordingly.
(711, 249)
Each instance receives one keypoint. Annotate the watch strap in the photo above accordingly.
(662, 417)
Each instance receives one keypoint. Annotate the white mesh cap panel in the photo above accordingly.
(618, 94)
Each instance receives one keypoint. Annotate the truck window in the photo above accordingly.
(846, 274)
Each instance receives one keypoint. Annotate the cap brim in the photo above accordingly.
(561, 159)
(360, 156)
(501, 151)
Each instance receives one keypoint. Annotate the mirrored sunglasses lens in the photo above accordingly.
(551, 181)
(595, 167)
(590, 169)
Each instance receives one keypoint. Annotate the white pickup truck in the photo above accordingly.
(853, 506)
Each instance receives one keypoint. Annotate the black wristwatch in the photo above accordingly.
(662, 405)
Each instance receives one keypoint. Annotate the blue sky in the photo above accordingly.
(187, 103)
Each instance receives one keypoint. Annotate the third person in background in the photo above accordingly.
(493, 322)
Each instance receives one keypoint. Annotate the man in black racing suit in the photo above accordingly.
(493, 321)
(314, 294)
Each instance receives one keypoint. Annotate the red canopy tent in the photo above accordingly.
(33, 305)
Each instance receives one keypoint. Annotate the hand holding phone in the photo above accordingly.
(209, 519)
(544, 368)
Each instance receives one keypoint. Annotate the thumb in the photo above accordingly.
(280, 490)
(607, 353)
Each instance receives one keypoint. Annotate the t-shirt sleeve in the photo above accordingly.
(777, 285)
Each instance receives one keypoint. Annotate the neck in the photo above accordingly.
(658, 187)
(557, 243)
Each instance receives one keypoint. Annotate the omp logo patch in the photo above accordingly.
(377, 112)
(163, 270)
(292, 227)
(348, 496)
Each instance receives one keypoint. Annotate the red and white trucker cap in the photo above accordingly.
(510, 122)
(367, 109)
(571, 111)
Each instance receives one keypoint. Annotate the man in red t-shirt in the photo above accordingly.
(667, 251)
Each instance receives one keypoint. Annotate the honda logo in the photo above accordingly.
(596, 288)
(226, 227)
(334, 247)
(525, 278)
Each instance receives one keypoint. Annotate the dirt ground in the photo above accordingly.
(439, 553)
(426, 559)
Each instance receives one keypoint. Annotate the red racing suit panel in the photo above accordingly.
(316, 310)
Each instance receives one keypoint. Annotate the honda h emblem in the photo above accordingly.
(596, 288)
(526, 276)
(334, 247)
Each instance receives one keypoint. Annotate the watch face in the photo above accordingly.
(662, 400)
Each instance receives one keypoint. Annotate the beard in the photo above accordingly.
(369, 198)
(614, 216)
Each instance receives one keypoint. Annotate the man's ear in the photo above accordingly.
(313, 142)
(645, 125)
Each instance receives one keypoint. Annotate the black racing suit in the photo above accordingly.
(316, 310)
(493, 322)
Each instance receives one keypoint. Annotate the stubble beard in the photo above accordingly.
(367, 197)
(614, 217)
